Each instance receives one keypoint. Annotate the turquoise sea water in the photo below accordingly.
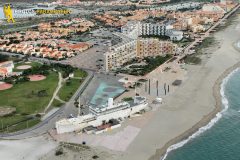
(222, 140)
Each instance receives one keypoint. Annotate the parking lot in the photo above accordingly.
(93, 58)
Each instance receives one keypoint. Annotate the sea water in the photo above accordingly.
(220, 139)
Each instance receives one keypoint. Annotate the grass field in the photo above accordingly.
(80, 73)
(28, 102)
(24, 96)
(16, 123)
(67, 90)
(56, 103)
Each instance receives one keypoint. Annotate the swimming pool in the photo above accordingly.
(105, 91)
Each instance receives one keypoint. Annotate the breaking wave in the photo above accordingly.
(210, 124)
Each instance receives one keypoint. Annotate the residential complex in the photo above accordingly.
(139, 48)
(49, 40)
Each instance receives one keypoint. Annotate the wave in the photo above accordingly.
(210, 124)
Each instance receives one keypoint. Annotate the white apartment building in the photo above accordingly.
(174, 35)
(152, 29)
(131, 29)
(120, 54)
(134, 29)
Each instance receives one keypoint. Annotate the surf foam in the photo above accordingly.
(210, 124)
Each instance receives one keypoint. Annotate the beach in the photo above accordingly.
(27, 149)
(190, 107)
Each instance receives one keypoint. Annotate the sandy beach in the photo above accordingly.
(194, 104)
(26, 149)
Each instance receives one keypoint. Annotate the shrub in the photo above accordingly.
(59, 152)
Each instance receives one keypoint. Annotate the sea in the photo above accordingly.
(220, 139)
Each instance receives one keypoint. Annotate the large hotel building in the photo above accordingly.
(140, 48)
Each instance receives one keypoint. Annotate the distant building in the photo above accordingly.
(152, 29)
(6, 68)
(134, 29)
(131, 29)
(212, 8)
(174, 35)
(44, 5)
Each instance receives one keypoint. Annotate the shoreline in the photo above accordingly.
(160, 153)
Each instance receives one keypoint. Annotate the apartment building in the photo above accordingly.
(131, 29)
(142, 47)
(134, 29)
(152, 29)
(120, 54)
(151, 47)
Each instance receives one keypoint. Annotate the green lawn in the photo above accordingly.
(67, 90)
(16, 122)
(24, 125)
(151, 64)
(70, 86)
(80, 73)
(24, 96)
(56, 103)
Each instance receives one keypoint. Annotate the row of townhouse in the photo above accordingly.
(58, 51)
(134, 29)
(140, 48)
